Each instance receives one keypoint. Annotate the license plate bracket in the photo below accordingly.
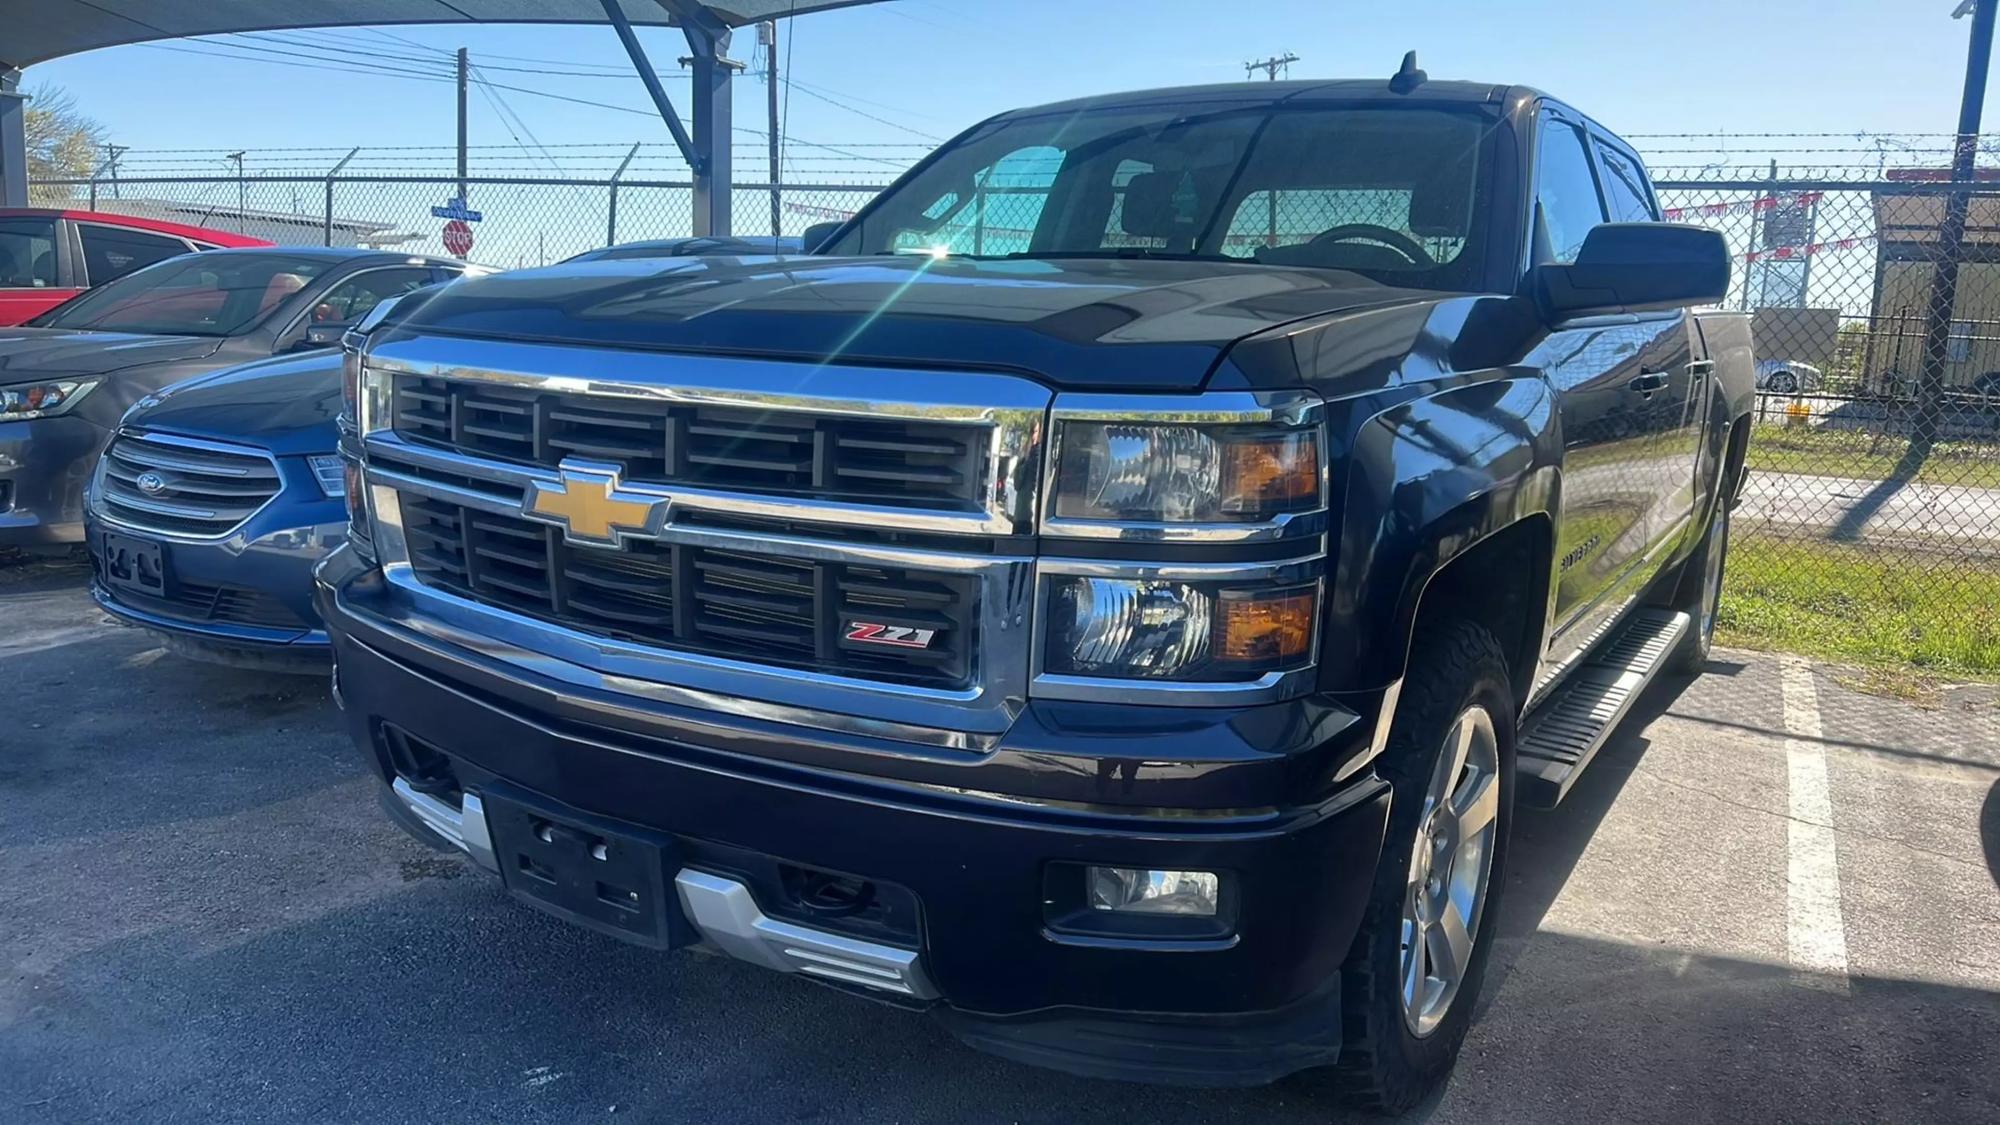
(595, 873)
(135, 564)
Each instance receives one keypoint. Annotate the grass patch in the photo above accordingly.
(1831, 452)
(1870, 606)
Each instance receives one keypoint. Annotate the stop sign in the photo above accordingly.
(458, 238)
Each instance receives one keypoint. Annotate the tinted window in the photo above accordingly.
(1625, 187)
(1390, 193)
(110, 253)
(352, 299)
(1565, 190)
(218, 293)
(27, 253)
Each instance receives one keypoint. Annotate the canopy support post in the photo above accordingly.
(13, 140)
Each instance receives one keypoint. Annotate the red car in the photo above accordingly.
(49, 256)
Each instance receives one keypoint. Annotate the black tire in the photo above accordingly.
(1784, 383)
(1698, 593)
(1384, 1065)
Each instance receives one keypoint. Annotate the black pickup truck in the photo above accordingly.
(1112, 593)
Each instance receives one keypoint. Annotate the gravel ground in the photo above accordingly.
(205, 918)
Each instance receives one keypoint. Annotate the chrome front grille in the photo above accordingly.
(183, 486)
(834, 546)
(897, 462)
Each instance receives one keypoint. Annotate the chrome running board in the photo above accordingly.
(1563, 734)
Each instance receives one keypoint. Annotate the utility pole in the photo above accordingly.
(767, 34)
(463, 68)
(242, 193)
(1951, 231)
(1271, 66)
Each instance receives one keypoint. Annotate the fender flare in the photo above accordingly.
(1429, 479)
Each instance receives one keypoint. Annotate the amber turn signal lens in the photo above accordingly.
(1263, 628)
(1278, 473)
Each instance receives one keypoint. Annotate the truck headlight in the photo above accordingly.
(1149, 629)
(20, 402)
(1185, 473)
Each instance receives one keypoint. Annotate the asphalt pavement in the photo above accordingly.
(1771, 899)
(1845, 508)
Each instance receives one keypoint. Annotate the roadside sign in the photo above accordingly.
(456, 209)
(458, 238)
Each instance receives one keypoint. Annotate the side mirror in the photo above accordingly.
(322, 335)
(1636, 267)
(817, 235)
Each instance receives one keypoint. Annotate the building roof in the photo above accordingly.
(33, 31)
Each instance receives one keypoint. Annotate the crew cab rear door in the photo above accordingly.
(1622, 386)
(1674, 409)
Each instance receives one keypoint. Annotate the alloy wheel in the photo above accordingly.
(1451, 865)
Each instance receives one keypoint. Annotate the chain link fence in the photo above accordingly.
(1872, 525)
(525, 220)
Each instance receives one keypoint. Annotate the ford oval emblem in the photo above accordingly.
(151, 483)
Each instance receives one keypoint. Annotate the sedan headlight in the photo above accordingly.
(1206, 631)
(22, 401)
(1185, 473)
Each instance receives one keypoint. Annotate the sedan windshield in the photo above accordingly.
(1394, 193)
(208, 294)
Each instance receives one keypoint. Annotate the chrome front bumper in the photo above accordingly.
(721, 909)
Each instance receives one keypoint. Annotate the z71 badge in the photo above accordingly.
(900, 636)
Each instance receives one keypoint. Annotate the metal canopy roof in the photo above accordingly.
(34, 31)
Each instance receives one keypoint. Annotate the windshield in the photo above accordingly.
(1393, 193)
(207, 294)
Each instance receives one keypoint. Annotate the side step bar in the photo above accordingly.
(1567, 730)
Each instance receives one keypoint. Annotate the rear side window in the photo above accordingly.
(110, 253)
(27, 253)
(1625, 187)
(1566, 199)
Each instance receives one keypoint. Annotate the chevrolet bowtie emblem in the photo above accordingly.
(592, 508)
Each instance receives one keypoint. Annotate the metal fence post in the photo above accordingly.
(611, 212)
(326, 228)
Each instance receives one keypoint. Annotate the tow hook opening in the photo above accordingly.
(825, 894)
(423, 766)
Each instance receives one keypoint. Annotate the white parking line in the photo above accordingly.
(1815, 935)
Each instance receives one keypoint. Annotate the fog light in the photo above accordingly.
(1132, 890)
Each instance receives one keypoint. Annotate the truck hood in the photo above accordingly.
(30, 353)
(1139, 324)
(289, 405)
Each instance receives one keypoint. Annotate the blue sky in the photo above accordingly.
(931, 67)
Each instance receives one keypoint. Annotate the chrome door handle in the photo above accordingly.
(1649, 382)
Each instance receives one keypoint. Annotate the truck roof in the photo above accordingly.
(1272, 93)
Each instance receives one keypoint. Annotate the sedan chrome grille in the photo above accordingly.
(182, 486)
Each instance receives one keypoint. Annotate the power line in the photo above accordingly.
(809, 92)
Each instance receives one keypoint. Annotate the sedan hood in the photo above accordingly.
(289, 405)
(30, 353)
(1140, 324)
